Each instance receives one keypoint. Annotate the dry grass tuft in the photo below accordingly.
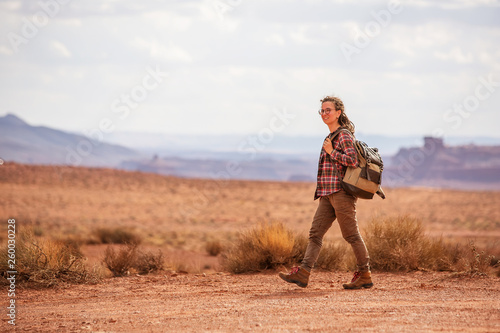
(473, 262)
(399, 244)
(130, 259)
(332, 256)
(149, 262)
(272, 245)
(214, 248)
(265, 246)
(396, 244)
(120, 262)
(47, 263)
(117, 236)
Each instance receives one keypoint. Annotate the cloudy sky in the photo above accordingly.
(413, 67)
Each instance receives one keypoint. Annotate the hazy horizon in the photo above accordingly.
(220, 145)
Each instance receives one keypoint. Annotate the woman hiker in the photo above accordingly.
(334, 202)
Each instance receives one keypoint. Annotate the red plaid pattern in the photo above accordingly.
(331, 168)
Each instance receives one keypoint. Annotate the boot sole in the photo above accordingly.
(366, 286)
(300, 284)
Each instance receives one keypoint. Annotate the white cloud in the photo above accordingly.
(451, 4)
(60, 49)
(10, 5)
(412, 41)
(300, 35)
(170, 52)
(261, 55)
(72, 22)
(168, 21)
(456, 54)
(6, 50)
(163, 51)
(275, 39)
(490, 60)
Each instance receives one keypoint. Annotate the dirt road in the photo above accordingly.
(220, 302)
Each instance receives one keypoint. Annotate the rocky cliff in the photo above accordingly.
(438, 165)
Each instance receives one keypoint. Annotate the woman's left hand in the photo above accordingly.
(327, 146)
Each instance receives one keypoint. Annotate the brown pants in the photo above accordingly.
(340, 206)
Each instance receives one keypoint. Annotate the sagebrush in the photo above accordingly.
(130, 259)
(265, 246)
(214, 248)
(46, 263)
(272, 245)
(395, 244)
(400, 244)
(117, 236)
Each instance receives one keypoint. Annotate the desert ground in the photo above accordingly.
(180, 216)
(220, 302)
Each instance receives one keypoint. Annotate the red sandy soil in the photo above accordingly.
(221, 302)
(74, 202)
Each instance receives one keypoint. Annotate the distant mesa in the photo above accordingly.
(434, 164)
(433, 143)
(438, 165)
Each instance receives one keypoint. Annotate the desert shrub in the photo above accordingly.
(332, 256)
(73, 244)
(399, 244)
(395, 244)
(495, 260)
(214, 248)
(130, 258)
(473, 262)
(117, 236)
(149, 262)
(120, 262)
(46, 263)
(272, 245)
(299, 248)
(265, 246)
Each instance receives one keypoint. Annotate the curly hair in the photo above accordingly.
(339, 105)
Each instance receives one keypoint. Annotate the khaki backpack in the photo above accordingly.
(365, 180)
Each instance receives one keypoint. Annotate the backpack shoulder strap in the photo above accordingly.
(337, 132)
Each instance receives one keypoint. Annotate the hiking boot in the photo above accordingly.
(298, 275)
(360, 280)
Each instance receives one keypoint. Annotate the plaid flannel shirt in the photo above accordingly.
(332, 168)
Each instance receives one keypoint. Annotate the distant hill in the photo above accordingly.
(285, 159)
(436, 165)
(432, 165)
(281, 146)
(258, 169)
(23, 143)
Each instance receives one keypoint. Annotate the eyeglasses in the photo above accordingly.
(325, 112)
